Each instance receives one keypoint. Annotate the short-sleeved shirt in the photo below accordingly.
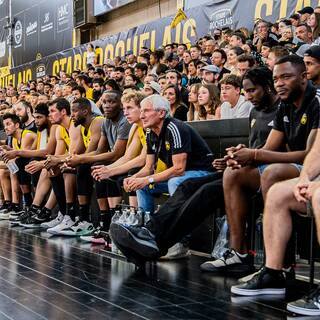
(178, 137)
(295, 123)
(116, 130)
(260, 125)
(240, 110)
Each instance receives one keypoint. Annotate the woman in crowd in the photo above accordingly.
(155, 61)
(232, 61)
(314, 23)
(194, 108)
(209, 102)
(186, 60)
(178, 110)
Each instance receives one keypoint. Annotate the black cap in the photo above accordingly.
(306, 10)
(313, 52)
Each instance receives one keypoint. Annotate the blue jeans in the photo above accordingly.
(145, 195)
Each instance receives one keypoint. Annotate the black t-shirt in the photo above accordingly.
(185, 95)
(260, 125)
(181, 113)
(31, 126)
(178, 137)
(296, 124)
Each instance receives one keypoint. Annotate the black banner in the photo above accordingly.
(4, 33)
(40, 29)
(201, 20)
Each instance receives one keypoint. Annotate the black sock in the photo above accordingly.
(84, 212)
(105, 219)
(71, 211)
(273, 272)
(34, 208)
(27, 199)
(59, 191)
(46, 211)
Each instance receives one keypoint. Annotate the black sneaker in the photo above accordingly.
(31, 222)
(308, 305)
(43, 215)
(289, 274)
(137, 239)
(262, 283)
(21, 216)
(231, 261)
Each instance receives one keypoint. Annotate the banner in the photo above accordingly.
(219, 14)
(40, 28)
(4, 33)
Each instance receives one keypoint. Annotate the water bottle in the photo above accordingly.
(258, 245)
(115, 218)
(131, 220)
(146, 217)
(12, 166)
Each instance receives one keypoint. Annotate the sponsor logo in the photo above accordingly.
(18, 33)
(40, 70)
(63, 17)
(270, 124)
(47, 24)
(31, 28)
(167, 145)
(221, 18)
(253, 121)
(286, 119)
(304, 119)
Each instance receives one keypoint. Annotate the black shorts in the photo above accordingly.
(24, 177)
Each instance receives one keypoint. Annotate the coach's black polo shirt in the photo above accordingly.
(261, 123)
(296, 124)
(178, 137)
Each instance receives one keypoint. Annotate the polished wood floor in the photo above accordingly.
(44, 277)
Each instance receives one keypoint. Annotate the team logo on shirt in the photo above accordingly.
(167, 145)
(304, 119)
(253, 121)
(285, 119)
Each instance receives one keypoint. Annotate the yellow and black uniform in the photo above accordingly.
(24, 178)
(64, 134)
(42, 139)
(84, 178)
(86, 134)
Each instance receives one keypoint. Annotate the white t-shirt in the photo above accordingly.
(240, 110)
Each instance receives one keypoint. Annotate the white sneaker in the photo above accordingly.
(67, 222)
(5, 215)
(178, 251)
(52, 223)
(80, 228)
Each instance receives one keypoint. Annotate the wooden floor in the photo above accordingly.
(44, 277)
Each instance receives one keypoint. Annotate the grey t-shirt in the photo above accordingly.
(115, 130)
(240, 110)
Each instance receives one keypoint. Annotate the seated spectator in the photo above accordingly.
(219, 58)
(174, 77)
(209, 102)
(245, 63)
(234, 104)
(232, 60)
(178, 109)
(210, 74)
(303, 33)
(275, 54)
(312, 62)
(192, 73)
(141, 70)
(194, 112)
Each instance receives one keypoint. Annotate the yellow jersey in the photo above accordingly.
(42, 139)
(161, 166)
(16, 144)
(86, 134)
(64, 134)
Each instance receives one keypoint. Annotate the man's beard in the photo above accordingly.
(79, 122)
(24, 118)
(42, 127)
